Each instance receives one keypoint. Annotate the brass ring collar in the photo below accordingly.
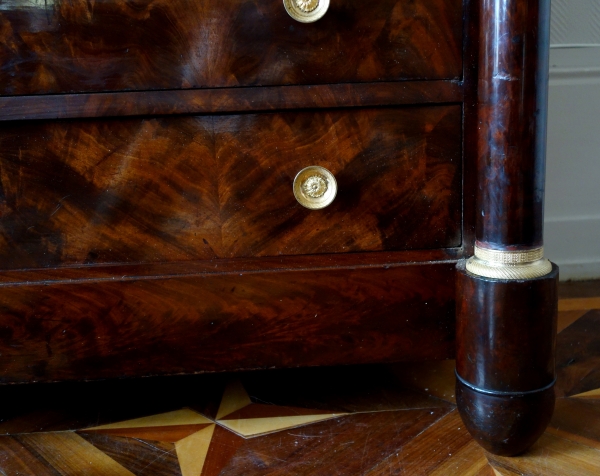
(509, 265)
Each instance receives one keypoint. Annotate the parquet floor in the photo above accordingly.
(368, 420)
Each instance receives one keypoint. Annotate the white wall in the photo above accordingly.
(572, 214)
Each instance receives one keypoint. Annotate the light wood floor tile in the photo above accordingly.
(578, 416)
(177, 417)
(469, 460)
(429, 451)
(70, 455)
(15, 459)
(192, 451)
(261, 426)
(504, 472)
(595, 394)
(576, 304)
(553, 456)
(577, 438)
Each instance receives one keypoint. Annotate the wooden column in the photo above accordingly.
(507, 292)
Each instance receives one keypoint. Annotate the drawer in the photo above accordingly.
(58, 46)
(133, 322)
(204, 187)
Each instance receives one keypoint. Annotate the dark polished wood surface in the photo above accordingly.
(506, 332)
(168, 325)
(114, 45)
(470, 125)
(203, 187)
(578, 357)
(205, 101)
(513, 96)
(506, 328)
(505, 344)
(505, 426)
(96, 273)
(169, 195)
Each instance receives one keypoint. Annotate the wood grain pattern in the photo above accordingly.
(202, 187)
(578, 356)
(146, 271)
(68, 454)
(567, 457)
(16, 459)
(141, 457)
(107, 191)
(221, 448)
(198, 323)
(397, 173)
(429, 451)
(579, 416)
(469, 460)
(324, 453)
(208, 101)
(575, 298)
(188, 189)
(114, 45)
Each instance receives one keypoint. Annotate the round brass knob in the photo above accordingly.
(315, 187)
(306, 11)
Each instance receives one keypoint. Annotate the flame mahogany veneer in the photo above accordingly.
(148, 224)
(204, 187)
(62, 46)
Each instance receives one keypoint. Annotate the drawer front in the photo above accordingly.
(185, 188)
(118, 327)
(54, 46)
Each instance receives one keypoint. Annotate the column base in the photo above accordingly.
(505, 338)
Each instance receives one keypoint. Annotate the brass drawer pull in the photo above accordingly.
(315, 187)
(306, 11)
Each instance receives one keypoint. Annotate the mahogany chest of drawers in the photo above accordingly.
(148, 221)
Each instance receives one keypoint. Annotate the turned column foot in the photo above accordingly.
(505, 358)
(505, 424)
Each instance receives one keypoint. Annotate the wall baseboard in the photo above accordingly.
(579, 271)
(574, 245)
